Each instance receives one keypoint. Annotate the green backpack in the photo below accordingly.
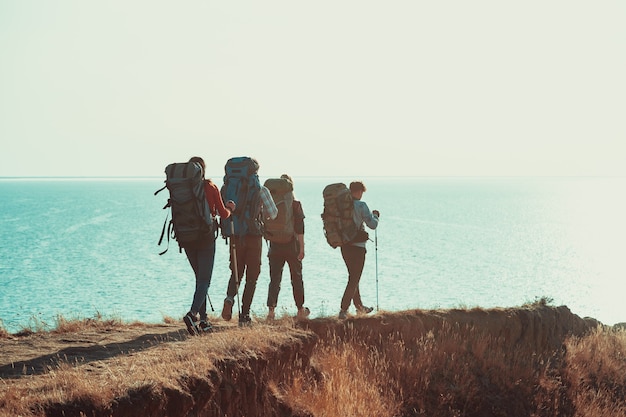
(280, 229)
(338, 215)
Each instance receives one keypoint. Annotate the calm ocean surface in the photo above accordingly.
(79, 247)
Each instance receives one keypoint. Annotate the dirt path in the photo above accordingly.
(38, 352)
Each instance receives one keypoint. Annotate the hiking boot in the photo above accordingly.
(364, 310)
(227, 310)
(343, 314)
(245, 320)
(204, 326)
(303, 313)
(190, 320)
(271, 314)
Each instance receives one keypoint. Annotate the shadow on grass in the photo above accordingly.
(86, 354)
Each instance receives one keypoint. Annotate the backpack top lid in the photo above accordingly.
(180, 170)
(278, 186)
(241, 166)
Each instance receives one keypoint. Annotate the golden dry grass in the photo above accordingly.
(450, 371)
(63, 324)
(595, 372)
(165, 365)
(462, 372)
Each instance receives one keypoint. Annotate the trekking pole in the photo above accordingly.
(234, 262)
(376, 256)
(215, 234)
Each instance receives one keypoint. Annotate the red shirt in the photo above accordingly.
(214, 198)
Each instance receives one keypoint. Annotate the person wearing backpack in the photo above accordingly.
(244, 229)
(286, 244)
(353, 253)
(201, 256)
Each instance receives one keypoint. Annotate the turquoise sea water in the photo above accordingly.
(79, 247)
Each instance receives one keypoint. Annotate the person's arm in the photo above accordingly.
(370, 219)
(215, 201)
(298, 226)
(300, 246)
(270, 211)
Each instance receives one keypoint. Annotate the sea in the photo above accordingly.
(78, 248)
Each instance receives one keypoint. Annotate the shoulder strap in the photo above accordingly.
(169, 230)
(160, 189)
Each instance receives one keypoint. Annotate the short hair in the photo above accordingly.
(357, 186)
(287, 177)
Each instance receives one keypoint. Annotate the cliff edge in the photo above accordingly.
(158, 370)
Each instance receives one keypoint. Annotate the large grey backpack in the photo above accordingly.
(191, 219)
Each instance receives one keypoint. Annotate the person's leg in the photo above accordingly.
(297, 284)
(206, 258)
(240, 255)
(192, 257)
(254, 246)
(201, 261)
(191, 317)
(356, 298)
(277, 264)
(354, 258)
(235, 280)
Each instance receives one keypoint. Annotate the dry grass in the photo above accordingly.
(453, 371)
(464, 373)
(102, 382)
(595, 372)
(344, 381)
(165, 366)
(67, 325)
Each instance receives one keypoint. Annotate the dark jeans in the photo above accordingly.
(278, 255)
(248, 254)
(201, 261)
(354, 257)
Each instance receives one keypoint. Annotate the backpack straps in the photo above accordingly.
(160, 189)
(163, 234)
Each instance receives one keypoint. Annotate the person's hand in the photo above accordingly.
(301, 255)
(230, 205)
(376, 213)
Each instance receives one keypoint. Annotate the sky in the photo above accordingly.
(314, 88)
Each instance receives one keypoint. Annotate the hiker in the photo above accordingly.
(246, 237)
(201, 255)
(286, 244)
(353, 253)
